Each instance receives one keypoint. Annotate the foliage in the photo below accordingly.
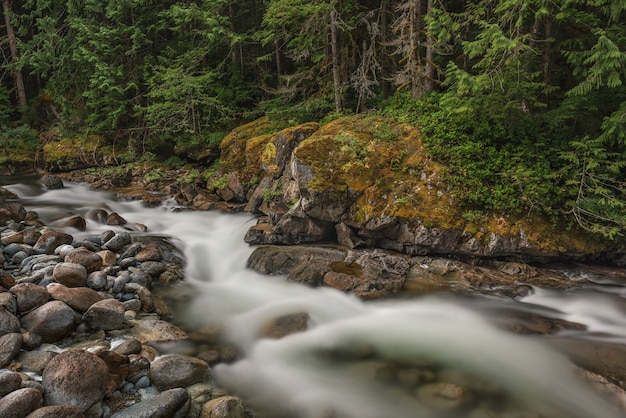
(22, 137)
(523, 100)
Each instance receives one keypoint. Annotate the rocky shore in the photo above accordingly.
(83, 332)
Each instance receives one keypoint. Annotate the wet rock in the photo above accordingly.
(9, 381)
(117, 363)
(156, 330)
(128, 346)
(176, 370)
(11, 250)
(8, 302)
(149, 253)
(50, 240)
(10, 346)
(153, 268)
(285, 325)
(115, 219)
(35, 361)
(74, 221)
(107, 314)
(8, 322)
(29, 296)
(78, 298)
(443, 397)
(77, 378)
(170, 403)
(6, 279)
(11, 212)
(52, 321)
(57, 411)
(117, 242)
(88, 259)
(223, 407)
(30, 340)
(20, 403)
(97, 280)
(108, 257)
(70, 274)
(28, 237)
(52, 182)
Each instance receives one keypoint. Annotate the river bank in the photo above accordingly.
(294, 319)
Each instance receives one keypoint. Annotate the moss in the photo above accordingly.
(352, 269)
(76, 152)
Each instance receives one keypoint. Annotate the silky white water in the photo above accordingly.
(323, 371)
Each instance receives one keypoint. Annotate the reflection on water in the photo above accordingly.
(425, 357)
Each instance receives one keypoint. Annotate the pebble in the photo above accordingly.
(62, 301)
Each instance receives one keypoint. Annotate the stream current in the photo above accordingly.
(366, 359)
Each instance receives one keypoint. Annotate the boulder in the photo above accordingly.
(9, 381)
(223, 407)
(29, 296)
(57, 411)
(19, 403)
(12, 212)
(50, 240)
(8, 322)
(78, 298)
(107, 314)
(70, 274)
(177, 370)
(88, 259)
(52, 321)
(10, 346)
(76, 378)
(52, 182)
(156, 330)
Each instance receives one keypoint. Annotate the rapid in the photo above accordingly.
(437, 355)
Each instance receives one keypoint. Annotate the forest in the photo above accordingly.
(523, 100)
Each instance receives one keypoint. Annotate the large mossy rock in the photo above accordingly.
(65, 154)
(366, 181)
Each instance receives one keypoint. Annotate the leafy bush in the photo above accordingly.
(22, 137)
(498, 160)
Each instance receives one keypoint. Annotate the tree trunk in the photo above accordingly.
(335, 60)
(19, 80)
(415, 45)
(386, 63)
(429, 70)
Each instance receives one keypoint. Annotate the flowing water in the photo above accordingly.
(426, 356)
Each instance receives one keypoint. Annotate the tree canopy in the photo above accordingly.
(525, 100)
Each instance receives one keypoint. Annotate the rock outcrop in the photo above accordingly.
(364, 181)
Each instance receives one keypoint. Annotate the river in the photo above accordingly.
(367, 359)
